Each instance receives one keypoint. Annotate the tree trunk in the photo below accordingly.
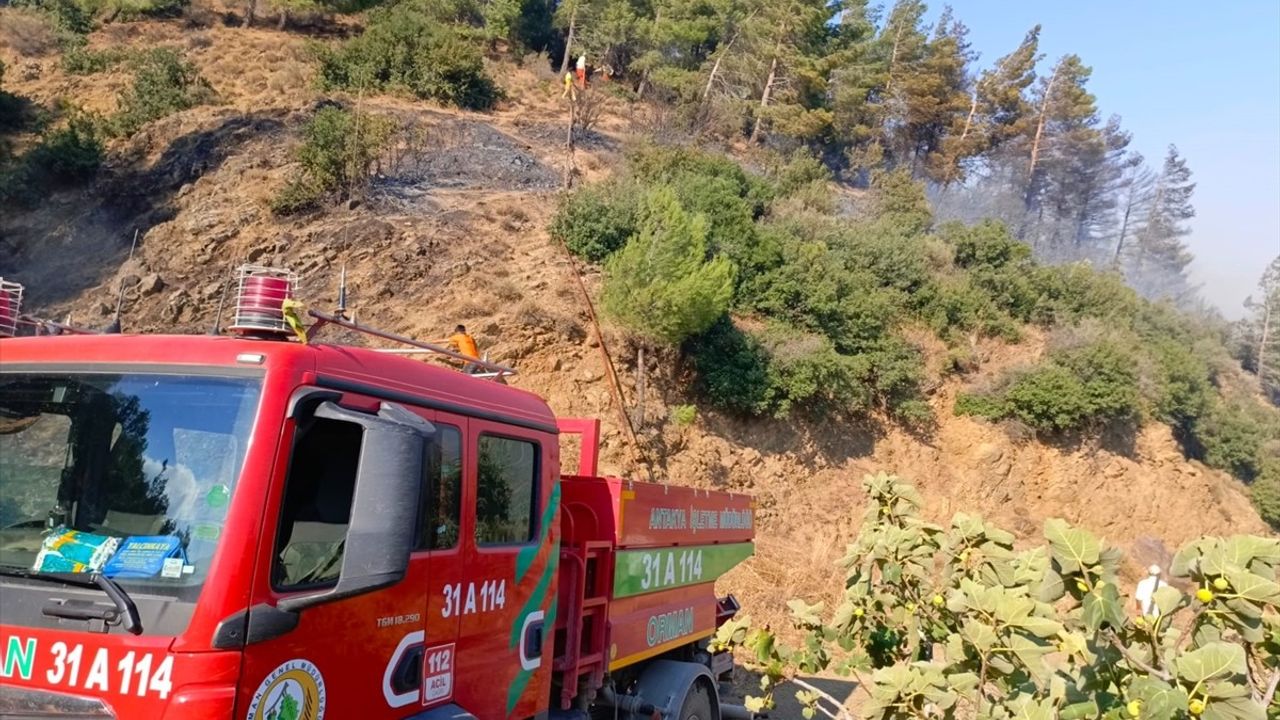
(1124, 230)
(568, 41)
(1044, 112)
(284, 19)
(893, 60)
(767, 93)
(250, 10)
(568, 142)
(715, 69)
(1267, 302)
(641, 372)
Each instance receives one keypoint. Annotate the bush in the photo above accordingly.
(963, 621)
(80, 60)
(163, 83)
(779, 370)
(805, 371)
(663, 164)
(596, 221)
(1266, 494)
(901, 201)
(408, 46)
(11, 106)
(987, 244)
(337, 152)
(1232, 435)
(70, 154)
(684, 415)
(69, 16)
(65, 155)
(732, 369)
(661, 285)
(1076, 389)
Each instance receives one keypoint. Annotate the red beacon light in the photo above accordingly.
(260, 300)
(10, 307)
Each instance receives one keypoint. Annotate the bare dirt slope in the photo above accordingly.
(455, 232)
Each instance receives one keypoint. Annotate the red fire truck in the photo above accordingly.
(261, 525)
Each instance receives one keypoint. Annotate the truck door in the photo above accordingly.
(444, 527)
(506, 591)
(351, 657)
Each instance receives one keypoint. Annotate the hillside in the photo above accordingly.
(454, 229)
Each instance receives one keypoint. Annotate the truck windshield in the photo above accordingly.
(127, 475)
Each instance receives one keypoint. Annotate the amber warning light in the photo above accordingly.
(10, 307)
(260, 300)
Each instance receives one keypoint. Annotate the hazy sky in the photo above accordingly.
(1204, 76)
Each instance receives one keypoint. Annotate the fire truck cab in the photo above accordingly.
(200, 527)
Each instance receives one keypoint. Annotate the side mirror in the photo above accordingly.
(384, 510)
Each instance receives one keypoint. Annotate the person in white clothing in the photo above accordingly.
(1144, 598)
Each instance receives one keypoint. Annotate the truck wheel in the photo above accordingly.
(697, 704)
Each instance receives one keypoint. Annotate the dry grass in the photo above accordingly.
(506, 291)
(27, 33)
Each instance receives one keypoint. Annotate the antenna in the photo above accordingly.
(114, 327)
(342, 293)
(217, 319)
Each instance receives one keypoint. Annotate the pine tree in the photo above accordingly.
(1157, 266)
(997, 111)
(780, 65)
(661, 285)
(855, 78)
(903, 44)
(937, 95)
(1261, 332)
(1084, 179)
(1135, 195)
(674, 43)
(1066, 113)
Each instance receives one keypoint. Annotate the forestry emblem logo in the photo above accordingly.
(293, 691)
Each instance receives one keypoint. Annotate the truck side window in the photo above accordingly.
(317, 503)
(442, 493)
(505, 495)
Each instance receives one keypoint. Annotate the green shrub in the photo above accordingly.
(163, 83)
(596, 221)
(70, 16)
(956, 306)
(1266, 494)
(1231, 436)
(667, 164)
(1182, 384)
(662, 284)
(338, 150)
(1068, 293)
(780, 370)
(409, 47)
(79, 60)
(1075, 389)
(65, 155)
(299, 193)
(987, 244)
(732, 369)
(137, 9)
(900, 201)
(11, 106)
(684, 415)
(805, 371)
(70, 154)
(799, 174)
